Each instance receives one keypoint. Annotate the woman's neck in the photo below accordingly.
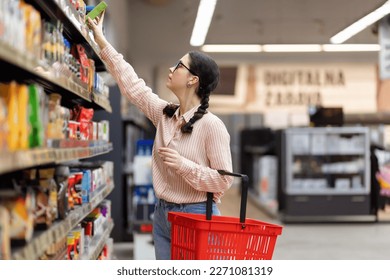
(187, 104)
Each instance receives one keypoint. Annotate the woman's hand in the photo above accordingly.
(96, 26)
(170, 157)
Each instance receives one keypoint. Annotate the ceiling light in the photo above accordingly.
(351, 48)
(202, 22)
(231, 48)
(253, 48)
(361, 24)
(292, 48)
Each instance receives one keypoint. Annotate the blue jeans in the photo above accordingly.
(162, 227)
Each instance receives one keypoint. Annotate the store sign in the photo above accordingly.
(299, 87)
(350, 86)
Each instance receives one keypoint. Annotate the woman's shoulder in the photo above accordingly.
(212, 120)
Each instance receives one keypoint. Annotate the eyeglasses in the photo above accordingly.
(180, 63)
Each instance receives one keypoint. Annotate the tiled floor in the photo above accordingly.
(319, 241)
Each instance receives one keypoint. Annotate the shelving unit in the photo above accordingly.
(12, 161)
(73, 30)
(258, 148)
(24, 68)
(135, 127)
(43, 239)
(326, 174)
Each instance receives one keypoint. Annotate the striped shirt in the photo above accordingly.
(204, 151)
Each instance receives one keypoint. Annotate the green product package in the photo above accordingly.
(36, 133)
(97, 10)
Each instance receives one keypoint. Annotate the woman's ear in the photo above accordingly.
(194, 79)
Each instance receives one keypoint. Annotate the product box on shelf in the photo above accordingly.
(86, 184)
(46, 204)
(42, 182)
(5, 240)
(32, 19)
(265, 180)
(105, 208)
(104, 131)
(16, 100)
(70, 243)
(61, 177)
(143, 202)
(20, 206)
(143, 162)
(78, 238)
(75, 186)
(142, 170)
(300, 143)
(107, 251)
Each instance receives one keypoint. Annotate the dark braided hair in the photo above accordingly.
(208, 73)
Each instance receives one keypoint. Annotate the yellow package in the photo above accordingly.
(8, 93)
(23, 124)
(32, 19)
(91, 75)
(3, 124)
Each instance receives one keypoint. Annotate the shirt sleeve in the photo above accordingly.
(207, 178)
(131, 86)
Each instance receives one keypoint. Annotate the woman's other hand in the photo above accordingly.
(170, 157)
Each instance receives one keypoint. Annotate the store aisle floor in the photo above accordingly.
(311, 241)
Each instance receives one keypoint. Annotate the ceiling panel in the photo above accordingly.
(160, 30)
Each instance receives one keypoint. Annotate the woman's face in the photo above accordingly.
(179, 75)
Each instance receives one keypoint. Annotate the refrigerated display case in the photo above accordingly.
(325, 174)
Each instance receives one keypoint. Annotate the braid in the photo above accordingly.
(187, 127)
(170, 109)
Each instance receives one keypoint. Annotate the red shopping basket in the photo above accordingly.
(198, 237)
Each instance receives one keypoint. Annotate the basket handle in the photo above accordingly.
(244, 196)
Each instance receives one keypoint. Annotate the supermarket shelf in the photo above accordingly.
(330, 153)
(27, 64)
(39, 244)
(12, 161)
(99, 241)
(328, 218)
(76, 32)
(61, 255)
(99, 195)
(327, 191)
(103, 102)
(261, 150)
(367, 118)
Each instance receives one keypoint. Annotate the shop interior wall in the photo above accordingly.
(129, 32)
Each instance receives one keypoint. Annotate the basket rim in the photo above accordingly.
(217, 220)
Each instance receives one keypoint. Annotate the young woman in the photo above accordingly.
(191, 143)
